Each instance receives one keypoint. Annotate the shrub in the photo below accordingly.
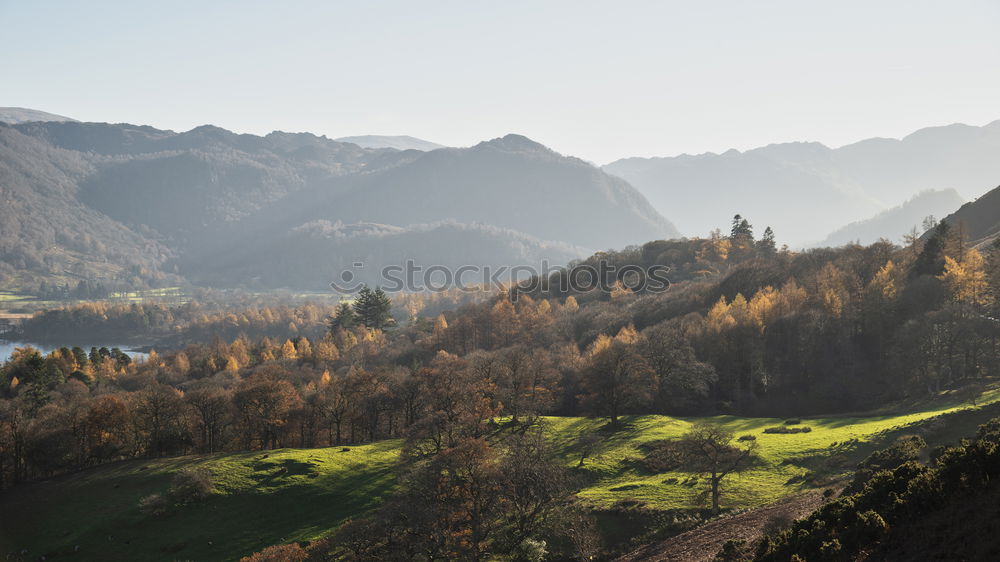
(189, 486)
(747, 437)
(733, 550)
(785, 429)
(905, 449)
(154, 505)
(793, 422)
(279, 553)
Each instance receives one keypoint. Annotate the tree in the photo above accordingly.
(158, 413)
(682, 381)
(708, 449)
(212, 407)
(766, 243)
(527, 381)
(617, 376)
(930, 261)
(343, 319)
(966, 280)
(372, 308)
(265, 403)
(456, 404)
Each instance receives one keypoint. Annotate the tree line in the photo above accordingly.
(769, 332)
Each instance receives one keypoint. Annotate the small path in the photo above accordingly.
(704, 542)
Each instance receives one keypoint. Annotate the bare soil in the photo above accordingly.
(704, 542)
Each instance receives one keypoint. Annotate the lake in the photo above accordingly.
(7, 348)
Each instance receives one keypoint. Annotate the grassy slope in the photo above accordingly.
(787, 463)
(296, 495)
(255, 505)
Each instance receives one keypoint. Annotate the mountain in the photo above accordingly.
(979, 218)
(290, 210)
(46, 231)
(15, 115)
(508, 201)
(399, 142)
(805, 189)
(317, 253)
(897, 221)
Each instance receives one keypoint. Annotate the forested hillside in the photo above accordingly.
(46, 233)
(219, 208)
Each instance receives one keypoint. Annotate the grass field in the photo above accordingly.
(785, 464)
(264, 498)
(261, 498)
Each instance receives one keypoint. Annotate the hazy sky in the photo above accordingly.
(599, 80)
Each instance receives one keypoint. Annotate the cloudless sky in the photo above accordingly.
(599, 80)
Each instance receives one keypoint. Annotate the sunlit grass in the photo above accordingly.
(786, 463)
(263, 498)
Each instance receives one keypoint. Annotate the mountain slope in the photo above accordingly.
(398, 142)
(979, 218)
(510, 182)
(46, 232)
(14, 115)
(229, 207)
(894, 223)
(804, 189)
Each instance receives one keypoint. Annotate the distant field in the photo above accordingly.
(11, 300)
(288, 495)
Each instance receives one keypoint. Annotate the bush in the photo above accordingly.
(154, 505)
(190, 486)
(793, 422)
(279, 553)
(747, 437)
(785, 429)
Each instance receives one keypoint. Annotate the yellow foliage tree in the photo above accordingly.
(288, 350)
(966, 280)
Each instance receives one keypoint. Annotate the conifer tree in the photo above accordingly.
(372, 308)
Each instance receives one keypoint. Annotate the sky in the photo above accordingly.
(597, 80)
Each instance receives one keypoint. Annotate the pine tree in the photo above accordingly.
(766, 243)
(931, 258)
(343, 318)
(372, 308)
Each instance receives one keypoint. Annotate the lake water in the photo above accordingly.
(7, 348)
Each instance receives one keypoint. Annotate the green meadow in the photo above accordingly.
(267, 497)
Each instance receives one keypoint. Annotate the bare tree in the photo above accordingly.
(709, 449)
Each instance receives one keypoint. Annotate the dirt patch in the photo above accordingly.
(702, 543)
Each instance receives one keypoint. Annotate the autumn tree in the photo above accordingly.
(212, 407)
(617, 377)
(158, 414)
(264, 403)
(454, 403)
(708, 449)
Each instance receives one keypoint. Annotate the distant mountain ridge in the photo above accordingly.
(288, 209)
(15, 115)
(897, 221)
(398, 142)
(805, 189)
